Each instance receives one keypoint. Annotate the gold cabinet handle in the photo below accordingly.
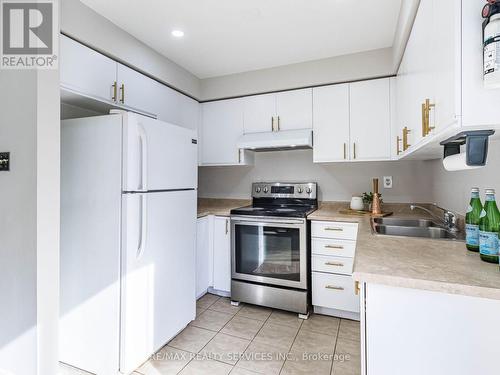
(336, 264)
(122, 90)
(357, 289)
(398, 141)
(406, 131)
(335, 229)
(428, 107)
(334, 247)
(115, 88)
(424, 120)
(345, 151)
(334, 287)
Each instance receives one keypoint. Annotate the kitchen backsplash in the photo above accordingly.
(336, 181)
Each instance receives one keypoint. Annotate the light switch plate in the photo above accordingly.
(388, 182)
(4, 161)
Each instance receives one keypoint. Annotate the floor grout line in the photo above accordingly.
(291, 346)
(335, 346)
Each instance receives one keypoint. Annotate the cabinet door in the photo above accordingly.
(445, 62)
(137, 91)
(222, 125)
(331, 123)
(189, 112)
(203, 253)
(222, 254)
(370, 120)
(167, 104)
(86, 71)
(420, 65)
(259, 111)
(480, 105)
(294, 109)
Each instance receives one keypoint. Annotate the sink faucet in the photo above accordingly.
(449, 218)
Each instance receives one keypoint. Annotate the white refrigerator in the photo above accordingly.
(128, 228)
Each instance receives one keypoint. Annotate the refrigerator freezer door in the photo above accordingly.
(158, 272)
(158, 155)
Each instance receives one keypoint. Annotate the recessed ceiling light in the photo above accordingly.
(178, 33)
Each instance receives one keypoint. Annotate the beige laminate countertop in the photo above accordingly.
(428, 264)
(219, 207)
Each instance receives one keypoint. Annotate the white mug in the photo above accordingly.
(357, 203)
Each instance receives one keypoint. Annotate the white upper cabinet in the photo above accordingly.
(287, 110)
(446, 63)
(331, 123)
(480, 106)
(222, 125)
(294, 109)
(443, 62)
(137, 91)
(259, 112)
(190, 112)
(90, 74)
(86, 71)
(370, 120)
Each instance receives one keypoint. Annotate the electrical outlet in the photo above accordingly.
(4, 161)
(387, 182)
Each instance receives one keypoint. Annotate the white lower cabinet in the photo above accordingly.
(414, 332)
(333, 247)
(204, 255)
(213, 255)
(222, 254)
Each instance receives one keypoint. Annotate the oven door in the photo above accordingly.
(269, 251)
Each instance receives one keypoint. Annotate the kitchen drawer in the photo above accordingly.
(332, 264)
(334, 229)
(334, 292)
(322, 246)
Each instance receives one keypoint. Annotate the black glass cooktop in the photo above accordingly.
(275, 210)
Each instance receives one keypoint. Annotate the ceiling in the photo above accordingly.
(232, 36)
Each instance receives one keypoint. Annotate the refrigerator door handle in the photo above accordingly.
(144, 157)
(142, 227)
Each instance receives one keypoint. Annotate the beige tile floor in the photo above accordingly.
(250, 340)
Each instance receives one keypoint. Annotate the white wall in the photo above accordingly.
(87, 26)
(452, 189)
(371, 64)
(29, 225)
(337, 181)
(18, 315)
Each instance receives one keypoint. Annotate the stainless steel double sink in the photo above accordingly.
(423, 228)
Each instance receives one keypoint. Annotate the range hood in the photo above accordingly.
(276, 141)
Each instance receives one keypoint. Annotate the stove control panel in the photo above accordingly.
(284, 190)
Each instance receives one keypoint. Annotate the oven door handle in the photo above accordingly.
(265, 220)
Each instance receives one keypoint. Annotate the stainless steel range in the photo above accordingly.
(269, 250)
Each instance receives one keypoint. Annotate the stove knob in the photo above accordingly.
(308, 190)
(266, 189)
(300, 190)
(257, 189)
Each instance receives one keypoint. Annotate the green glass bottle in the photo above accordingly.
(472, 218)
(489, 226)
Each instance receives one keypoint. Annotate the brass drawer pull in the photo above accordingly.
(115, 88)
(122, 89)
(334, 287)
(335, 229)
(334, 247)
(337, 264)
(357, 289)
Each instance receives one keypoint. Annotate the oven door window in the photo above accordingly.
(268, 251)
